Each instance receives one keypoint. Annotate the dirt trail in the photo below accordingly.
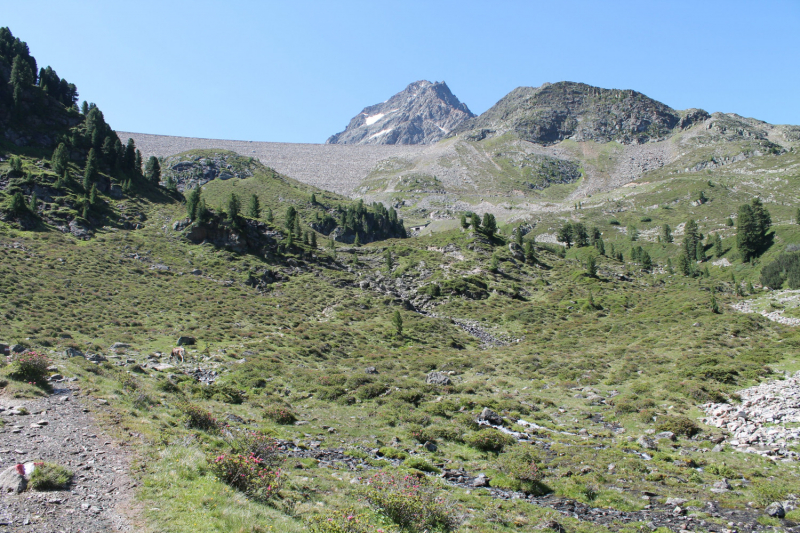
(101, 495)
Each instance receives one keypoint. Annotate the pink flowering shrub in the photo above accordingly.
(252, 466)
(345, 521)
(412, 502)
(31, 366)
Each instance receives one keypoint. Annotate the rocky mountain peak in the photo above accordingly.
(565, 110)
(422, 113)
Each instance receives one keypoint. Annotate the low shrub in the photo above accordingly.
(196, 417)
(249, 474)
(280, 414)
(412, 396)
(419, 463)
(345, 521)
(411, 502)
(680, 425)
(489, 440)
(721, 470)
(370, 390)
(520, 464)
(392, 453)
(50, 476)
(31, 367)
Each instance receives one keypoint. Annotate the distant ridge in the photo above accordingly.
(422, 113)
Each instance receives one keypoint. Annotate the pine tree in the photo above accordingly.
(21, 78)
(305, 238)
(465, 224)
(699, 251)
(203, 213)
(137, 163)
(332, 246)
(645, 260)
(670, 270)
(530, 253)
(130, 155)
(476, 221)
(565, 234)
(16, 164)
(34, 205)
(729, 222)
(519, 237)
(714, 304)
(718, 250)
(600, 245)
(313, 240)
(489, 225)
(389, 260)
(93, 195)
(253, 207)
(691, 236)
(397, 322)
(357, 241)
(579, 235)
(60, 159)
(591, 266)
(152, 170)
(291, 214)
(90, 172)
(289, 240)
(84, 107)
(313, 199)
(684, 265)
(269, 216)
(234, 207)
(633, 233)
(494, 265)
(666, 233)
(193, 203)
(297, 229)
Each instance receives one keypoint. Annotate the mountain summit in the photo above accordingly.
(566, 110)
(422, 113)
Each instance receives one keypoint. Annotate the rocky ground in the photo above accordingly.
(763, 422)
(60, 429)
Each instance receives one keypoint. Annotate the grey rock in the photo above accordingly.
(234, 418)
(490, 417)
(437, 378)
(675, 501)
(431, 447)
(14, 479)
(95, 358)
(722, 484)
(371, 370)
(72, 352)
(647, 443)
(79, 230)
(186, 341)
(480, 481)
(775, 510)
(162, 367)
(17, 348)
(665, 435)
(422, 113)
(115, 191)
(120, 346)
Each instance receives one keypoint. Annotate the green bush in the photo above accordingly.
(411, 502)
(196, 417)
(31, 367)
(280, 414)
(370, 390)
(419, 463)
(50, 476)
(392, 453)
(721, 470)
(250, 474)
(489, 440)
(680, 425)
(412, 396)
(346, 521)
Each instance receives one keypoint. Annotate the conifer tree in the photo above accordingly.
(600, 245)
(193, 203)
(530, 253)
(465, 224)
(519, 236)
(152, 170)
(397, 322)
(90, 172)
(699, 251)
(313, 199)
(305, 238)
(130, 155)
(60, 159)
(93, 195)
(357, 241)
(633, 233)
(494, 266)
(17, 204)
(254, 207)
(291, 214)
(389, 260)
(666, 233)
(137, 164)
(718, 250)
(565, 234)
(233, 206)
(313, 240)
(269, 216)
(476, 221)
(34, 205)
(489, 225)
(591, 266)
(203, 213)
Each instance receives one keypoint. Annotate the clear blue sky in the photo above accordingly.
(297, 71)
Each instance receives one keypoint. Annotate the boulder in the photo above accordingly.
(437, 378)
(775, 510)
(371, 370)
(488, 416)
(72, 352)
(480, 481)
(17, 348)
(115, 192)
(15, 478)
(120, 346)
(186, 341)
(431, 447)
(722, 485)
(95, 358)
(647, 443)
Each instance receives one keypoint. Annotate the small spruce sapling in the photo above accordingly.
(495, 263)
(591, 266)
(714, 305)
(389, 260)
(313, 240)
(254, 207)
(397, 322)
(530, 253)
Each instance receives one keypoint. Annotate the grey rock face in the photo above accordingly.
(437, 378)
(775, 510)
(186, 341)
(567, 110)
(488, 416)
(72, 352)
(422, 113)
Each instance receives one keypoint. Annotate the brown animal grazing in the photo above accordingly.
(178, 352)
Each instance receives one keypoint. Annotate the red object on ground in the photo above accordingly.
(20, 469)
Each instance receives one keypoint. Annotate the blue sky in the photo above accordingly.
(298, 71)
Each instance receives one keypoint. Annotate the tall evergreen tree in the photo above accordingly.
(746, 232)
(269, 216)
(666, 233)
(579, 235)
(565, 234)
(60, 159)
(388, 258)
(718, 250)
(476, 221)
(152, 169)
(519, 236)
(90, 172)
(291, 214)
(130, 155)
(465, 224)
(192, 203)
(234, 207)
(397, 322)
(690, 239)
(93, 195)
(313, 240)
(489, 225)
(530, 253)
(254, 207)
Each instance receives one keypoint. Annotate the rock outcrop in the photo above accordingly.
(422, 113)
(566, 110)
